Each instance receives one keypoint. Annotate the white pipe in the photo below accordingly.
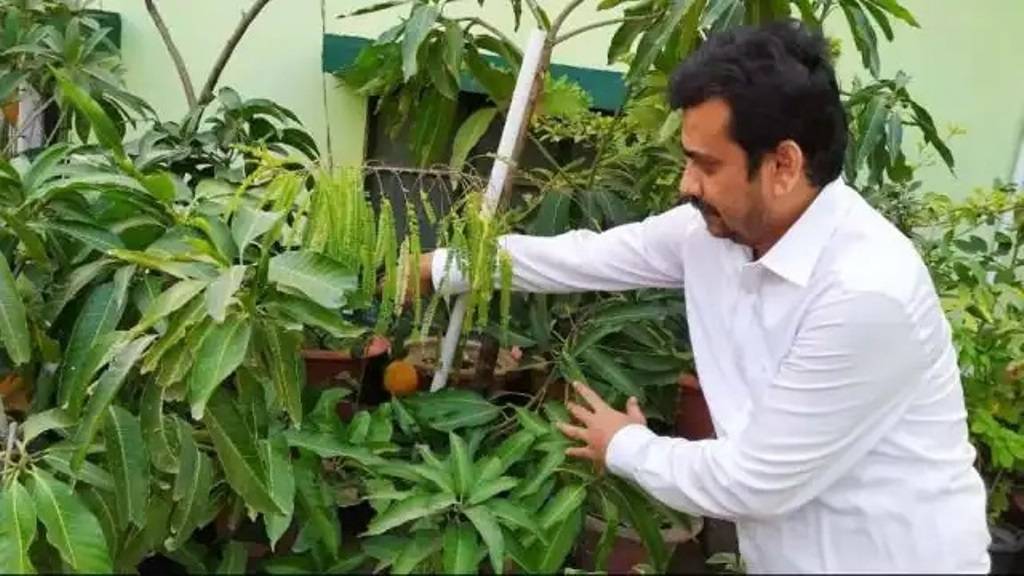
(499, 173)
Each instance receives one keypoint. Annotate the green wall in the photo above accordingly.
(965, 64)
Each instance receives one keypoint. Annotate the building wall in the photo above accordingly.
(965, 63)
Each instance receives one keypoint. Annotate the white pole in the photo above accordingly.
(517, 115)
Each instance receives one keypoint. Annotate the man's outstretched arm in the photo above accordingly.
(646, 254)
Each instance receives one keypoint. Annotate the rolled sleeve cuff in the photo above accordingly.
(625, 451)
(447, 279)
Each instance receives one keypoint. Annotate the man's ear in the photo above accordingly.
(789, 166)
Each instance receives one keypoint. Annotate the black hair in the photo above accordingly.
(779, 84)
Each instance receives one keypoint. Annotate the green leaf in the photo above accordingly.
(451, 409)
(453, 41)
(408, 510)
(461, 549)
(547, 467)
(317, 506)
(319, 278)
(234, 559)
(282, 486)
(895, 137)
(443, 80)
(34, 246)
(154, 430)
(324, 416)
(877, 113)
(488, 528)
(220, 354)
(250, 223)
(417, 28)
(89, 234)
(78, 279)
(611, 530)
(17, 529)
(99, 317)
(422, 545)
(161, 186)
(281, 352)
(329, 446)
(13, 323)
(863, 35)
(312, 314)
(91, 474)
(169, 301)
(219, 234)
(469, 134)
(640, 516)
(106, 388)
(512, 450)
(486, 490)
(100, 503)
(655, 39)
(175, 333)
(601, 365)
(462, 465)
(498, 83)
(106, 132)
(239, 456)
(893, 7)
(514, 515)
(220, 292)
(41, 422)
(70, 527)
(191, 490)
(129, 465)
(567, 500)
(550, 557)
(141, 543)
(9, 82)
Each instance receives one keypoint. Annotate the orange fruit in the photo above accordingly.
(401, 378)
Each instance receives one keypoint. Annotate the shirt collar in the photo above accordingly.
(793, 257)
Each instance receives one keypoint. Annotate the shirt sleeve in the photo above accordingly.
(646, 254)
(849, 377)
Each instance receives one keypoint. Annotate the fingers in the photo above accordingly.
(634, 412)
(574, 432)
(590, 396)
(581, 452)
(580, 413)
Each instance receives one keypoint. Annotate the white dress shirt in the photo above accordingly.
(831, 378)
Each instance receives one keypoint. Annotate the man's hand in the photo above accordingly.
(600, 423)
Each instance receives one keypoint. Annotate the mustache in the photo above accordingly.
(699, 204)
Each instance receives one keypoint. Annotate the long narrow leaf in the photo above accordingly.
(129, 465)
(13, 322)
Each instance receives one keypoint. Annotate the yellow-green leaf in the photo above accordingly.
(220, 354)
(489, 529)
(17, 529)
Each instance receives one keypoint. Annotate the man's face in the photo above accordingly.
(716, 179)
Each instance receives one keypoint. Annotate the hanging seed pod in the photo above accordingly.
(505, 265)
(413, 226)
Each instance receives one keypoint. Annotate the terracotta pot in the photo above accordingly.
(12, 110)
(628, 550)
(423, 354)
(323, 367)
(693, 420)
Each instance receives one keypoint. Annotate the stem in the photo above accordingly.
(222, 61)
(597, 25)
(560, 20)
(473, 20)
(172, 49)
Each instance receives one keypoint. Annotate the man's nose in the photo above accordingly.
(688, 187)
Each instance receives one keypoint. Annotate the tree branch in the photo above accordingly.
(172, 49)
(222, 61)
(561, 18)
(597, 25)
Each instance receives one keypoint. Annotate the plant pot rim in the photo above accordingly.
(668, 535)
(378, 346)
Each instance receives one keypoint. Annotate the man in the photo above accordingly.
(822, 350)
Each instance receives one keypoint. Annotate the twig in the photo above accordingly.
(172, 49)
(561, 18)
(222, 61)
(597, 25)
(473, 20)
(12, 435)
